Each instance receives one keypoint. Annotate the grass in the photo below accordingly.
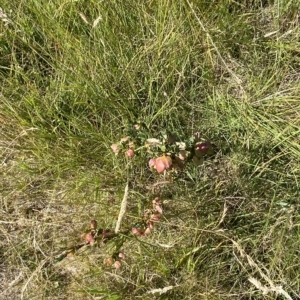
(76, 76)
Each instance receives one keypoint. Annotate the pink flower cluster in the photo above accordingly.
(151, 216)
(203, 148)
(89, 237)
(124, 143)
(115, 262)
(161, 163)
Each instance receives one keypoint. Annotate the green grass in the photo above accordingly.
(71, 87)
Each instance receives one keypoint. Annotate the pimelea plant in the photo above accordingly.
(96, 237)
(165, 152)
(151, 216)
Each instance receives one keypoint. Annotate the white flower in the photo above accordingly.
(153, 141)
(181, 145)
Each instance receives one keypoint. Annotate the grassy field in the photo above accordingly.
(77, 76)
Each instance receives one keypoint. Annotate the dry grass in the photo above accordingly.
(75, 78)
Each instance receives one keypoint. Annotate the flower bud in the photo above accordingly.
(130, 153)
(89, 238)
(117, 264)
(147, 231)
(152, 163)
(93, 224)
(137, 231)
